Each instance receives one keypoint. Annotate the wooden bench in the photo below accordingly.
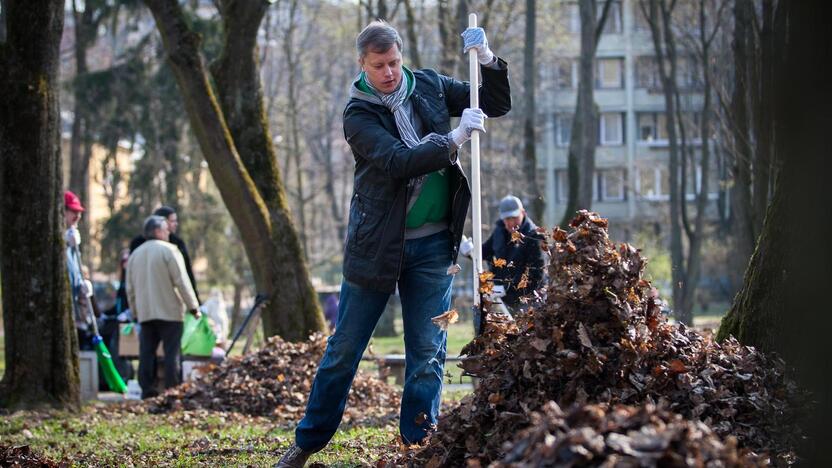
(394, 364)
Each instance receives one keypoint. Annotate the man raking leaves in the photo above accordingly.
(407, 213)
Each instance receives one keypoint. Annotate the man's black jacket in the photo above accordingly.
(384, 165)
(523, 257)
(180, 244)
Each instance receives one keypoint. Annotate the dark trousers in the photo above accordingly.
(151, 333)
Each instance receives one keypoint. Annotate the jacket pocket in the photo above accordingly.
(366, 226)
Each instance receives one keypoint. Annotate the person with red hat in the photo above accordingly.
(80, 289)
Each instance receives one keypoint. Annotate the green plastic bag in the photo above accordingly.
(198, 338)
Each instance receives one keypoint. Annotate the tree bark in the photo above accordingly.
(742, 223)
(412, 38)
(293, 69)
(41, 345)
(762, 107)
(2, 21)
(250, 186)
(529, 116)
(80, 146)
(783, 304)
(581, 156)
(447, 39)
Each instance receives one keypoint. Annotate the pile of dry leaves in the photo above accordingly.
(23, 456)
(275, 382)
(619, 436)
(600, 337)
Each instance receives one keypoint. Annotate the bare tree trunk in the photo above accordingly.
(742, 211)
(412, 38)
(762, 105)
(293, 69)
(697, 234)
(581, 158)
(41, 345)
(658, 15)
(447, 39)
(530, 114)
(80, 147)
(2, 20)
(258, 206)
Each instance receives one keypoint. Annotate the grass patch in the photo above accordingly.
(101, 437)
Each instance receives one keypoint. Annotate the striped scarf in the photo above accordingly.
(395, 103)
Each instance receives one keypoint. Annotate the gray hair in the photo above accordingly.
(377, 37)
(151, 224)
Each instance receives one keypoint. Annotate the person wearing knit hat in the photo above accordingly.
(515, 259)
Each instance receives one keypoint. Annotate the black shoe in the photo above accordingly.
(295, 457)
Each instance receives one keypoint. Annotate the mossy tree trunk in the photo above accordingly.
(41, 345)
(237, 76)
(783, 305)
(237, 146)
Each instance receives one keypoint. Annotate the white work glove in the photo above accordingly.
(474, 38)
(72, 237)
(472, 119)
(466, 247)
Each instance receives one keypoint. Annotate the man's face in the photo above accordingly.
(173, 223)
(383, 70)
(163, 232)
(71, 218)
(513, 222)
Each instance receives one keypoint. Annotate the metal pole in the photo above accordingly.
(474, 71)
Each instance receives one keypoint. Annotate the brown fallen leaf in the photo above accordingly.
(442, 321)
(516, 237)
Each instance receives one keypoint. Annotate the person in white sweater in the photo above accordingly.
(159, 293)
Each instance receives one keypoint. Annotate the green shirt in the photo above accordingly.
(432, 205)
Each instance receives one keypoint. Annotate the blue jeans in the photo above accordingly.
(425, 290)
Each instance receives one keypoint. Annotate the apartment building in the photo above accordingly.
(631, 180)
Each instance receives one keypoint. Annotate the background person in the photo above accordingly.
(173, 225)
(159, 292)
(79, 288)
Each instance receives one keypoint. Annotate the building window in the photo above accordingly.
(611, 184)
(612, 128)
(563, 129)
(609, 73)
(613, 23)
(652, 127)
(648, 184)
(566, 71)
(653, 183)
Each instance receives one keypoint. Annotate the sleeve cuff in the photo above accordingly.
(494, 64)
